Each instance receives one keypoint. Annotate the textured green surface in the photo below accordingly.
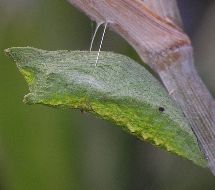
(116, 89)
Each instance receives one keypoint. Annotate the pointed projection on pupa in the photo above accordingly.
(118, 89)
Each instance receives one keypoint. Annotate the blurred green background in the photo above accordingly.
(43, 148)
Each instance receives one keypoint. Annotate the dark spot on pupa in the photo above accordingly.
(161, 109)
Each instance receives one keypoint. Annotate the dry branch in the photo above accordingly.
(166, 9)
(167, 50)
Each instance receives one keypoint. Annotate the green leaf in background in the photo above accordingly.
(116, 89)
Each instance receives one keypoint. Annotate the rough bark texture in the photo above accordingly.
(168, 51)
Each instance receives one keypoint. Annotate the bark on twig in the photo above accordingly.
(168, 51)
(166, 9)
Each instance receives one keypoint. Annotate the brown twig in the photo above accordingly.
(166, 9)
(168, 51)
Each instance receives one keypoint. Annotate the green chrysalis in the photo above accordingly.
(116, 89)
